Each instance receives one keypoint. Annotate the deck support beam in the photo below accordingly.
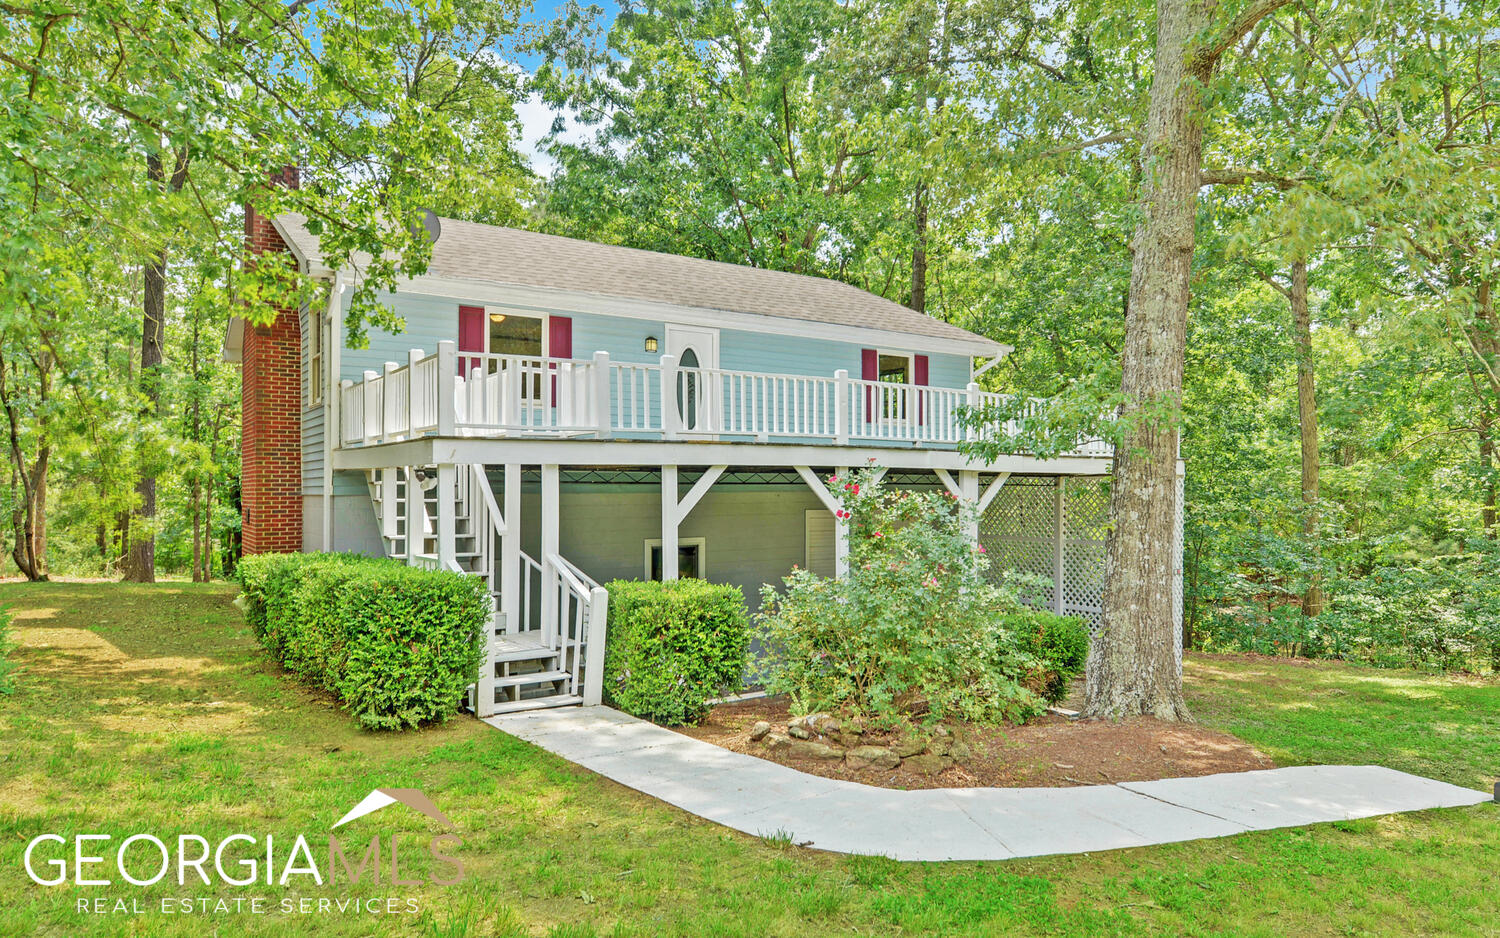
(840, 525)
(1059, 541)
(510, 553)
(551, 494)
(967, 489)
(674, 511)
(447, 528)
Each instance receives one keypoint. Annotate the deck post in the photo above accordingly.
(416, 517)
(447, 531)
(551, 626)
(447, 387)
(344, 386)
(841, 536)
(602, 415)
(368, 390)
(389, 522)
(841, 407)
(412, 357)
(668, 522)
(512, 383)
(388, 400)
(1059, 503)
(671, 420)
(510, 553)
(593, 652)
(968, 483)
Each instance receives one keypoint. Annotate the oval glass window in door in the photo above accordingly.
(687, 389)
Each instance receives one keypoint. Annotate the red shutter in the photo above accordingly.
(870, 363)
(470, 336)
(919, 377)
(559, 344)
(560, 337)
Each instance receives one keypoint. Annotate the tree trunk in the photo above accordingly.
(918, 299)
(1133, 666)
(140, 561)
(29, 515)
(1307, 422)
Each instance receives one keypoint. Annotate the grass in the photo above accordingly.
(149, 708)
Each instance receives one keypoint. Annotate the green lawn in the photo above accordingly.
(151, 709)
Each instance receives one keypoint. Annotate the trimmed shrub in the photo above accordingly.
(673, 646)
(1060, 645)
(915, 631)
(398, 645)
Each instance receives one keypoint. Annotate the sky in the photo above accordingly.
(536, 119)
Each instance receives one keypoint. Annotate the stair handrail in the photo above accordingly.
(586, 583)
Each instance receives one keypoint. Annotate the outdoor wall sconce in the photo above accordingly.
(650, 343)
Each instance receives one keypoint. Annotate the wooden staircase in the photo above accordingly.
(546, 644)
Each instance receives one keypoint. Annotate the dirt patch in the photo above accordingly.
(1050, 752)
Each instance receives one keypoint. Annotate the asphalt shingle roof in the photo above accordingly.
(471, 251)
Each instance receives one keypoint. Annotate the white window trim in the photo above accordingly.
(316, 321)
(911, 364)
(546, 319)
(682, 542)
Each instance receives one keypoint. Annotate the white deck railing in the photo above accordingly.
(507, 395)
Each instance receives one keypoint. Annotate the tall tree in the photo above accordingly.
(1133, 667)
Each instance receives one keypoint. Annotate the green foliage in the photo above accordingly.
(914, 629)
(1438, 613)
(397, 644)
(673, 646)
(7, 645)
(1060, 645)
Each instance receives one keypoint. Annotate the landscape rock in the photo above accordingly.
(778, 743)
(961, 752)
(928, 764)
(759, 731)
(802, 749)
(823, 724)
(799, 731)
(871, 757)
(905, 748)
(940, 745)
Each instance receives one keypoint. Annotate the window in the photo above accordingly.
(894, 369)
(315, 319)
(514, 335)
(691, 556)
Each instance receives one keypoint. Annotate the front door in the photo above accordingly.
(697, 394)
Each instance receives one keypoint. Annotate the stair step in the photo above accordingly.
(537, 703)
(520, 648)
(537, 677)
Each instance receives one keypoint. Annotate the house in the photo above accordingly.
(559, 413)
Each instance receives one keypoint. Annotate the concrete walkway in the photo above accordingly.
(763, 798)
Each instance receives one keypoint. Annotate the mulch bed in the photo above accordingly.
(1051, 751)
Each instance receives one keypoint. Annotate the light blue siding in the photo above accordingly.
(312, 421)
(431, 319)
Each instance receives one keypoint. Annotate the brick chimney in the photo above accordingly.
(271, 410)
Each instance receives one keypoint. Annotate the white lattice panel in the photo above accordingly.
(1020, 533)
(1085, 521)
(1017, 532)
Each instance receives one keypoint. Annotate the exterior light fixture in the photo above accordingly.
(497, 317)
(650, 343)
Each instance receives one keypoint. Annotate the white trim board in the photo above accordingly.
(618, 452)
